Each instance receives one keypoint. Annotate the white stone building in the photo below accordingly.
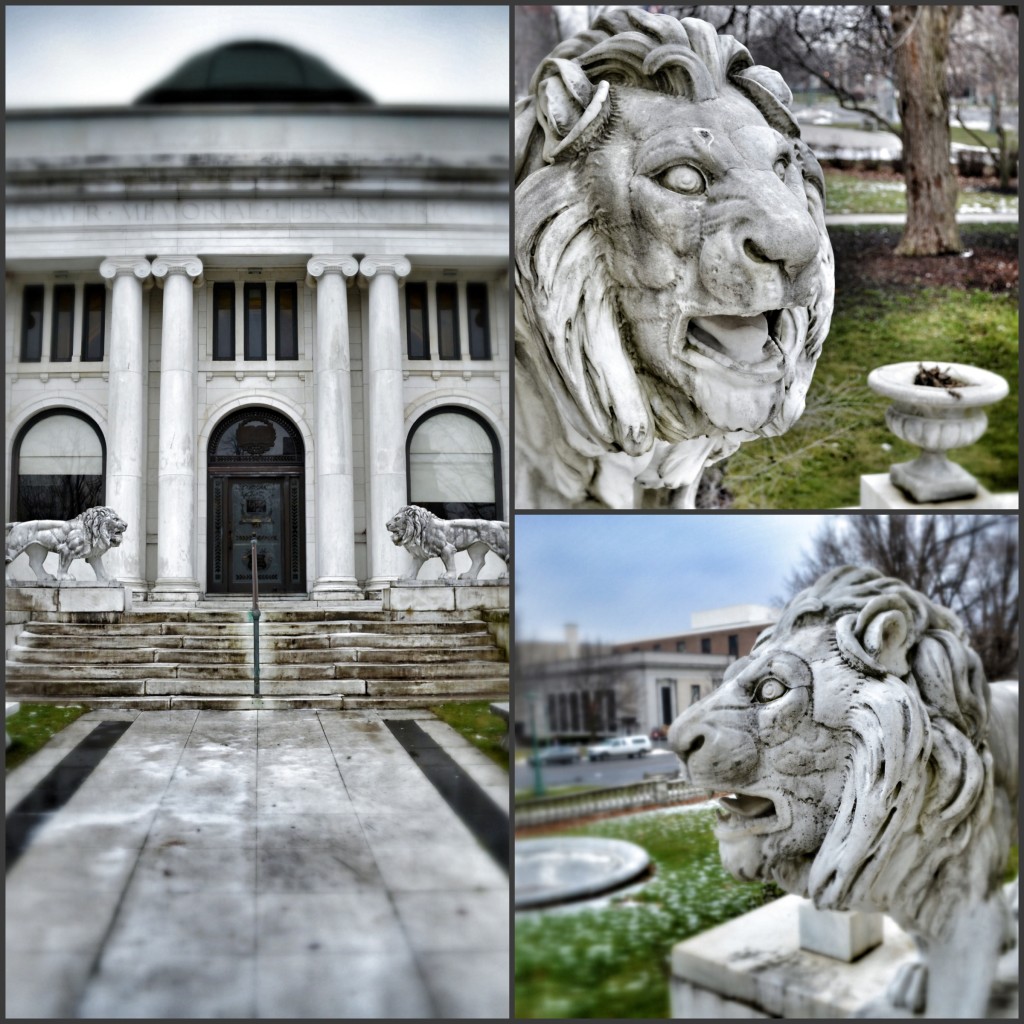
(228, 318)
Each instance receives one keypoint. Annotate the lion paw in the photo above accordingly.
(907, 988)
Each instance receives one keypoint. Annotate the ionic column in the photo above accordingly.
(126, 417)
(332, 377)
(385, 453)
(176, 481)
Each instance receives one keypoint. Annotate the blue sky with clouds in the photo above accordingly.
(628, 576)
(81, 55)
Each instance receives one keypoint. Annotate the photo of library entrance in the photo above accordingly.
(256, 487)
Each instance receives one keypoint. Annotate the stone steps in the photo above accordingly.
(305, 653)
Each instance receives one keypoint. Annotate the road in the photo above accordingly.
(599, 773)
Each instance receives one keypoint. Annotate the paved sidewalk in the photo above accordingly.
(257, 864)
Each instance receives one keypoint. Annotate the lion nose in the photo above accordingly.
(686, 737)
(781, 234)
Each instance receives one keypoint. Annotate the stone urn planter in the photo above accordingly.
(936, 419)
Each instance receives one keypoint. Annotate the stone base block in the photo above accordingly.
(446, 596)
(67, 596)
(838, 934)
(877, 491)
(753, 966)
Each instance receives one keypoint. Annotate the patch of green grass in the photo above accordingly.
(847, 192)
(478, 724)
(843, 434)
(970, 138)
(1012, 865)
(33, 725)
(612, 963)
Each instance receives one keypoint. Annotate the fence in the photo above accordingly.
(665, 790)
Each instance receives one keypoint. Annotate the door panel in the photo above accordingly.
(256, 509)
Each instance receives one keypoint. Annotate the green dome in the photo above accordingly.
(254, 71)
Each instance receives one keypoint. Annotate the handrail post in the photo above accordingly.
(255, 623)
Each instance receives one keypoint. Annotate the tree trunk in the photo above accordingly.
(922, 44)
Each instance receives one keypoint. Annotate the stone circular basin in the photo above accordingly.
(562, 869)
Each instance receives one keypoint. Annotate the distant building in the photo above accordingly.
(567, 691)
(730, 631)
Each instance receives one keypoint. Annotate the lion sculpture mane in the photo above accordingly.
(426, 536)
(88, 536)
(674, 278)
(872, 768)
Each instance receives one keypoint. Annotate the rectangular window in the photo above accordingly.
(416, 331)
(681, 646)
(705, 645)
(224, 320)
(62, 329)
(479, 325)
(286, 321)
(255, 296)
(93, 322)
(448, 321)
(694, 694)
(32, 323)
(734, 645)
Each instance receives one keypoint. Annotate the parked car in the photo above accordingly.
(659, 732)
(556, 753)
(620, 746)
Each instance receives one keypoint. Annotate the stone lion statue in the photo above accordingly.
(88, 536)
(425, 536)
(674, 278)
(871, 768)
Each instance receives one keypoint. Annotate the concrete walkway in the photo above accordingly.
(257, 864)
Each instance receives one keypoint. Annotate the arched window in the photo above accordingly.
(453, 465)
(59, 467)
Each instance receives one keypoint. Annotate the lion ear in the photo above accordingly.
(569, 107)
(886, 631)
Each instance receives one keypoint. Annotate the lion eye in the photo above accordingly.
(768, 690)
(781, 166)
(684, 179)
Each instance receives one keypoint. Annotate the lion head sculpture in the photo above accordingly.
(674, 279)
(871, 766)
(88, 536)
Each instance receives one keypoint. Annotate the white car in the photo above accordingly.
(620, 746)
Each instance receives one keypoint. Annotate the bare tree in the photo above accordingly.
(967, 563)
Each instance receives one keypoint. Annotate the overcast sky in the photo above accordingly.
(629, 576)
(86, 56)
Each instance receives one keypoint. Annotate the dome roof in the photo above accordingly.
(254, 71)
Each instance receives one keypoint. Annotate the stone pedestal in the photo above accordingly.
(877, 491)
(446, 596)
(839, 934)
(67, 596)
(754, 966)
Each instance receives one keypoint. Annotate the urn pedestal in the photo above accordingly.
(936, 419)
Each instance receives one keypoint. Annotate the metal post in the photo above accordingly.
(255, 623)
(538, 781)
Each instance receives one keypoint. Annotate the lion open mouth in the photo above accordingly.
(753, 346)
(745, 812)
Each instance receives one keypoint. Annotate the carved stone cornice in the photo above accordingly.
(399, 266)
(192, 266)
(113, 266)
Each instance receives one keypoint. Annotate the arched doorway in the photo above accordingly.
(256, 479)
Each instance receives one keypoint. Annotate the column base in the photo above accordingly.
(336, 588)
(377, 585)
(183, 590)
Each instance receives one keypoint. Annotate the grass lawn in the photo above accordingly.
(612, 963)
(33, 725)
(843, 433)
(478, 724)
(849, 192)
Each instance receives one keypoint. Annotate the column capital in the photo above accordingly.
(399, 266)
(320, 265)
(192, 266)
(112, 266)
